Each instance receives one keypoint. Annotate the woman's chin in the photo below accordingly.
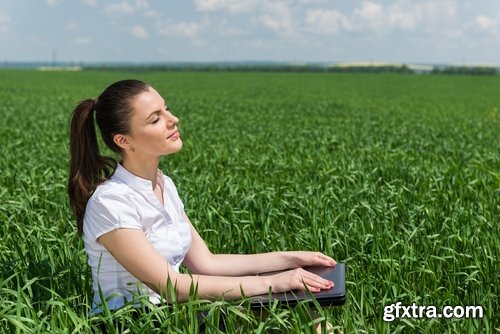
(174, 147)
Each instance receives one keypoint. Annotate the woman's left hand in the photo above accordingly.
(304, 259)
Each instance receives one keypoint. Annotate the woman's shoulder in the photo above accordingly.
(113, 200)
(110, 190)
(168, 180)
(111, 206)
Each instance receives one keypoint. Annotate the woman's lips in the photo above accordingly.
(174, 136)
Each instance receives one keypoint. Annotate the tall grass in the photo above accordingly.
(398, 176)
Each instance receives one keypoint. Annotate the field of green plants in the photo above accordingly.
(396, 175)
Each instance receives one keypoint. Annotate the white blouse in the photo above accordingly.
(128, 201)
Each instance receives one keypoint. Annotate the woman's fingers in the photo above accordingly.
(312, 281)
(317, 283)
(325, 260)
(299, 279)
(304, 258)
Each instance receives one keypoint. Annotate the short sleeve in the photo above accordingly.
(109, 211)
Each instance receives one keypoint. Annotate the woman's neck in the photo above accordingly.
(146, 169)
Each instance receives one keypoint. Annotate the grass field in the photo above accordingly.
(398, 176)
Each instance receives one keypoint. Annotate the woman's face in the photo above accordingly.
(153, 129)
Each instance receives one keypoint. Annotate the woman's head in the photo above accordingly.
(114, 111)
(152, 129)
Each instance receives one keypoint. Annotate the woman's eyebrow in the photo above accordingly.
(156, 112)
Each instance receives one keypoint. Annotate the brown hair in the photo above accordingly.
(88, 168)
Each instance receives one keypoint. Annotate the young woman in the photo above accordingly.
(132, 220)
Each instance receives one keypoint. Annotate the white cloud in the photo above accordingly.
(139, 32)
(208, 5)
(121, 7)
(232, 6)
(407, 15)
(53, 2)
(485, 24)
(403, 19)
(72, 25)
(89, 2)
(275, 15)
(151, 13)
(293, 17)
(306, 2)
(141, 4)
(371, 15)
(326, 21)
(4, 22)
(278, 17)
(81, 41)
(126, 7)
(4, 18)
(182, 29)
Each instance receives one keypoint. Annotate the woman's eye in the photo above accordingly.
(156, 120)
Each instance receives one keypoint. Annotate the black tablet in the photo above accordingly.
(330, 297)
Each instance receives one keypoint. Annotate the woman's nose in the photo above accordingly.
(172, 120)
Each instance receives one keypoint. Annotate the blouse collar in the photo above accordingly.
(135, 182)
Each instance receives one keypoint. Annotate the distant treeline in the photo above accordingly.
(466, 70)
(256, 68)
(263, 67)
(460, 70)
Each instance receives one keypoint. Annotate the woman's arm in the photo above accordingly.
(200, 260)
(135, 253)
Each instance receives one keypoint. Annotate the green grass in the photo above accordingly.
(398, 176)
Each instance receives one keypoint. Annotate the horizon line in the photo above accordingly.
(238, 62)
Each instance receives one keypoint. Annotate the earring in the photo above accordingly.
(131, 149)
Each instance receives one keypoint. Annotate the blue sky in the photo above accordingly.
(404, 31)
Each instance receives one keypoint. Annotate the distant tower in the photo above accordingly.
(54, 57)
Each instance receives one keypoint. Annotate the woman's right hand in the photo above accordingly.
(298, 279)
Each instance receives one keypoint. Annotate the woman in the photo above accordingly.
(132, 220)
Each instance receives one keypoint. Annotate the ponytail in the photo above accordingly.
(88, 168)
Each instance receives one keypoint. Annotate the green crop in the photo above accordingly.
(396, 175)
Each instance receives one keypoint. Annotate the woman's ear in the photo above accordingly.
(122, 142)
